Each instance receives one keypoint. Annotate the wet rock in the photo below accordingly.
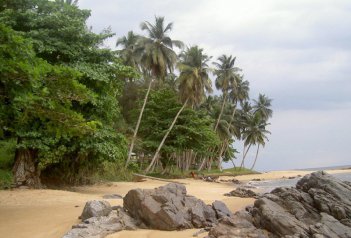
(242, 192)
(96, 209)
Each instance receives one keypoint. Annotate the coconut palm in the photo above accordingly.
(194, 82)
(128, 51)
(262, 106)
(226, 75)
(255, 132)
(156, 57)
(69, 2)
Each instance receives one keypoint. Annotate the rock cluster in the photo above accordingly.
(319, 206)
(170, 208)
(164, 208)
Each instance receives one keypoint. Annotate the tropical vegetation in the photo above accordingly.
(72, 109)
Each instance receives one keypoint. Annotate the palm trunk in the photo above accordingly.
(202, 164)
(244, 156)
(138, 124)
(25, 169)
(222, 108)
(220, 155)
(233, 114)
(258, 147)
(166, 135)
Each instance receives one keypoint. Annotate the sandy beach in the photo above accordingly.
(51, 213)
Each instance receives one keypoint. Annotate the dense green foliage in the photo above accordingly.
(69, 106)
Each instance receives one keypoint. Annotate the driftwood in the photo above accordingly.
(159, 179)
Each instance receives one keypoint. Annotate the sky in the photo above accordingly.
(296, 52)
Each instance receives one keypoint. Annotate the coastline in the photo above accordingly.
(51, 213)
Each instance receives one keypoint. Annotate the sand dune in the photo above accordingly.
(51, 213)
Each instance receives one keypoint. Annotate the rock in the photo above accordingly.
(257, 179)
(221, 210)
(101, 226)
(243, 193)
(112, 196)
(170, 208)
(95, 209)
(210, 178)
(318, 207)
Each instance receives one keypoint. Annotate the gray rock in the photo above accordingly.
(101, 226)
(318, 207)
(112, 196)
(242, 193)
(169, 208)
(221, 209)
(95, 209)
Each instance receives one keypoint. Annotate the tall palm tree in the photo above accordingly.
(194, 82)
(156, 57)
(226, 75)
(262, 106)
(128, 52)
(255, 132)
(69, 2)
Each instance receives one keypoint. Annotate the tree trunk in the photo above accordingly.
(166, 135)
(244, 156)
(138, 124)
(202, 164)
(25, 170)
(220, 155)
(220, 114)
(258, 147)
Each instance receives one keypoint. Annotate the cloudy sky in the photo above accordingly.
(297, 52)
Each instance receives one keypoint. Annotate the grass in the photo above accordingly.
(177, 174)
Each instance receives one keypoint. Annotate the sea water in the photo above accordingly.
(268, 185)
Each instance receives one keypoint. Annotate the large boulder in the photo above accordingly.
(170, 208)
(319, 206)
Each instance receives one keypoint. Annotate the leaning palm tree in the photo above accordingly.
(157, 58)
(226, 75)
(255, 132)
(262, 106)
(194, 82)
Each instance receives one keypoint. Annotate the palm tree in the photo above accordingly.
(69, 2)
(254, 133)
(226, 75)
(262, 106)
(194, 82)
(156, 57)
(128, 52)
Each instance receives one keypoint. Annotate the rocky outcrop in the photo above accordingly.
(319, 206)
(242, 193)
(164, 208)
(170, 208)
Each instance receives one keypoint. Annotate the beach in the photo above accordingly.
(50, 213)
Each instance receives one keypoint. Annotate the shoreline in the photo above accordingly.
(49, 213)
